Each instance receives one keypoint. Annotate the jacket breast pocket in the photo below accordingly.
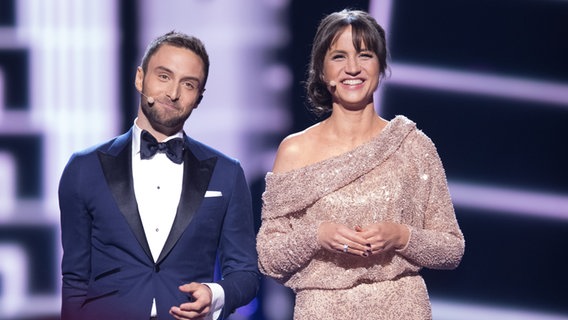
(213, 204)
(210, 216)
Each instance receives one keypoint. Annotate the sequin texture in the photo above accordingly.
(397, 176)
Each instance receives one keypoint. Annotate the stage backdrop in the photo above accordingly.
(487, 80)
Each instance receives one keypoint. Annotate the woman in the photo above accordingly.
(356, 205)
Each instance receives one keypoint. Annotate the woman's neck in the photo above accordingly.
(354, 127)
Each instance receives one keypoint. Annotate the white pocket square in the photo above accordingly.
(209, 194)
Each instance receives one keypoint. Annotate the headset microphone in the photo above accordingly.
(333, 83)
(149, 99)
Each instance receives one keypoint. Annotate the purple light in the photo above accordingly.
(510, 201)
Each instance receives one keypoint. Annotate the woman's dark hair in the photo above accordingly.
(179, 40)
(366, 31)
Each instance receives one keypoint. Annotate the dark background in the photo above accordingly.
(511, 260)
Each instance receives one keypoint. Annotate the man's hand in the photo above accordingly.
(200, 304)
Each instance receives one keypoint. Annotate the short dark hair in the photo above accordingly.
(179, 40)
(365, 30)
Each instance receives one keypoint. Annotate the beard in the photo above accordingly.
(162, 119)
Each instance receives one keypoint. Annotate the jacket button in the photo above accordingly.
(156, 268)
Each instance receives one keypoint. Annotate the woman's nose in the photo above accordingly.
(353, 66)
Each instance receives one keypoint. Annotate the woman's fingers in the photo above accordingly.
(337, 237)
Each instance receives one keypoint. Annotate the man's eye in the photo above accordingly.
(190, 85)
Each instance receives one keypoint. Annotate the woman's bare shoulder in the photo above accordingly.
(295, 150)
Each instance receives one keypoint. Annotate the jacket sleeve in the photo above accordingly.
(237, 252)
(75, 237)
(439, 242)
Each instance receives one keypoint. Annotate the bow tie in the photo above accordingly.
(172, 148)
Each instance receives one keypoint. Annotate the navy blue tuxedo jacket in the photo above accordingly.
(108, 270)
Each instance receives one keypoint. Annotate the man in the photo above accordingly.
(142, 233)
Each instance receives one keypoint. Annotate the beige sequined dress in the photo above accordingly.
(397, 176)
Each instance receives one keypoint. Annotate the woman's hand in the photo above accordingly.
(384, 236)
(337, 237)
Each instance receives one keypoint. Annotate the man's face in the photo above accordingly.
(174, 79)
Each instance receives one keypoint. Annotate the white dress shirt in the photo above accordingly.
(157, 187)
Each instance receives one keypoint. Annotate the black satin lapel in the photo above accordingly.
(118, 174)
(196, 177)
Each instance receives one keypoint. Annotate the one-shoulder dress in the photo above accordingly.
(397, 176)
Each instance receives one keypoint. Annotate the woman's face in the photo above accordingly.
(352, 76)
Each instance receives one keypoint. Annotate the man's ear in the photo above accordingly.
(139, 79)
(200, 98)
